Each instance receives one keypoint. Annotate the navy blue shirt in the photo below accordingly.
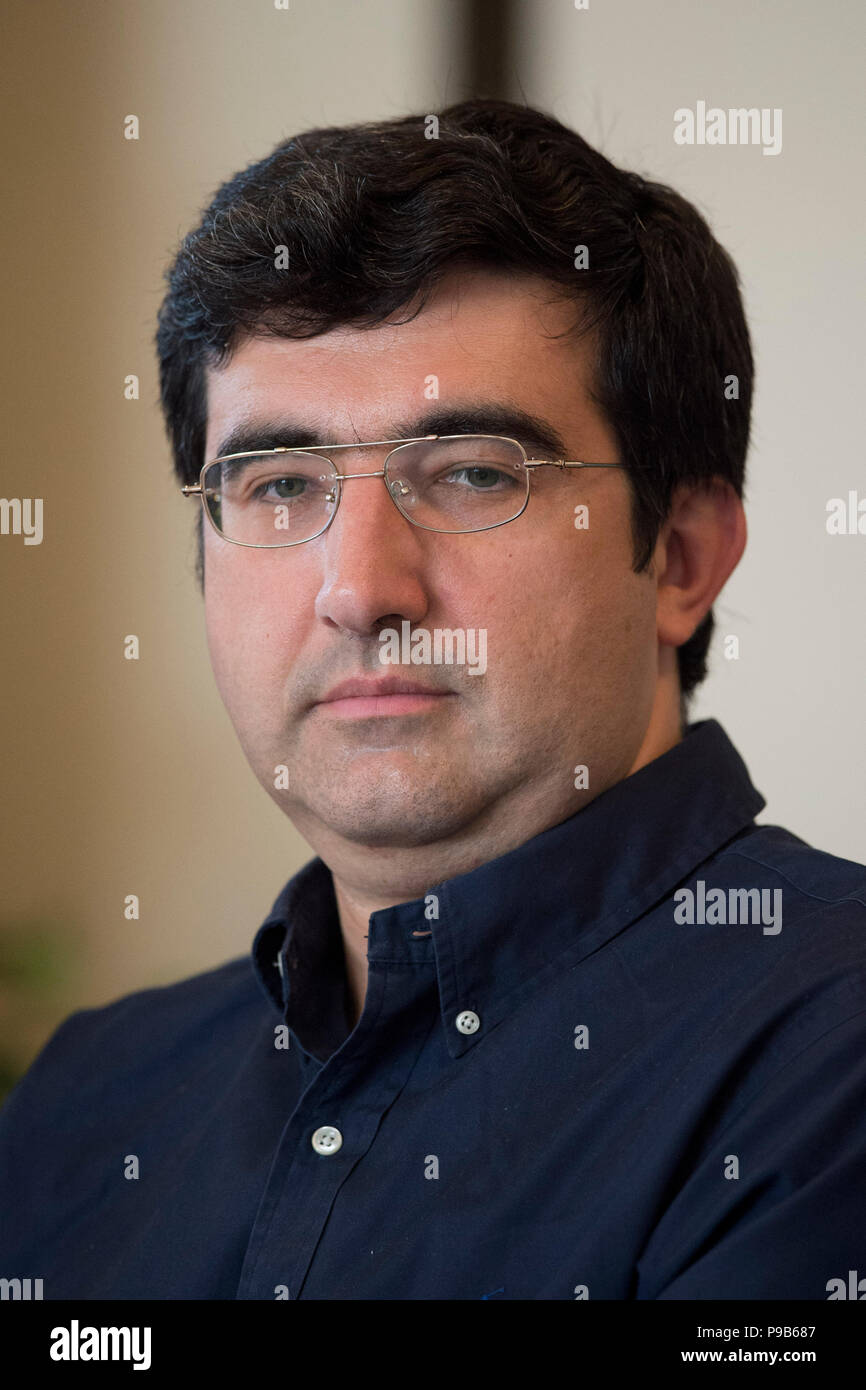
(626, 1060)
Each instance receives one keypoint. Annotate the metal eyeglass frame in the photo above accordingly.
(190, 490)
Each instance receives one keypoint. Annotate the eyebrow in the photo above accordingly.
(533, 432)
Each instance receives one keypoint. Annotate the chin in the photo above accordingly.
(394, 812)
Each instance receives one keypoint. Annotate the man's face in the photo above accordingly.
(570, 629)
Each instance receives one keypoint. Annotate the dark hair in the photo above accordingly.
(373, 215)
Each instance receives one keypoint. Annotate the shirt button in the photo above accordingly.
(468, 1022)
(327, 1140)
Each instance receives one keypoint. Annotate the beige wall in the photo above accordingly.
(125, 777)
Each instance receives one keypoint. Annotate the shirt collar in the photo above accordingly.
(501, 930)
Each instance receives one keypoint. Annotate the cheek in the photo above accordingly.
(248, 622)
(580, 610)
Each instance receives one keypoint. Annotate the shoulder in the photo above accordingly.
(759, 952)
(811, 902)
(782, 962)
(815, 880)
(177, 1027)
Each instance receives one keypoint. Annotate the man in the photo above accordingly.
(548, 1016)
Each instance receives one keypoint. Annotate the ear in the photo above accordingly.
(699, 546)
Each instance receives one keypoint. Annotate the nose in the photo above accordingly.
(373, 561)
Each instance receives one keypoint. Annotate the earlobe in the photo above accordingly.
(699, 547)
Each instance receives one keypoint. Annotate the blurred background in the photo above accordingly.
(124, 777)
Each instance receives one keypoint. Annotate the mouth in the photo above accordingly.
(377, 699)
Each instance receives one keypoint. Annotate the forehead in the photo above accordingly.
(481, 336)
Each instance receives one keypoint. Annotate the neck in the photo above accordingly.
(384, 877)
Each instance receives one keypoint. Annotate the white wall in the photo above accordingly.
(795, 701)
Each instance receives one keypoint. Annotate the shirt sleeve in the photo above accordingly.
(776, 1208)
(29, 1139)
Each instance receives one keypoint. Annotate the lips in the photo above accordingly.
(377, 697)
(373, 687)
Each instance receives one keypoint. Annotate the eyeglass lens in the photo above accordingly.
(464, 483)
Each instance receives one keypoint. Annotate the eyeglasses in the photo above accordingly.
(453, 483)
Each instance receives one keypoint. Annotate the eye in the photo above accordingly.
(285, 488)
(479, 475)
